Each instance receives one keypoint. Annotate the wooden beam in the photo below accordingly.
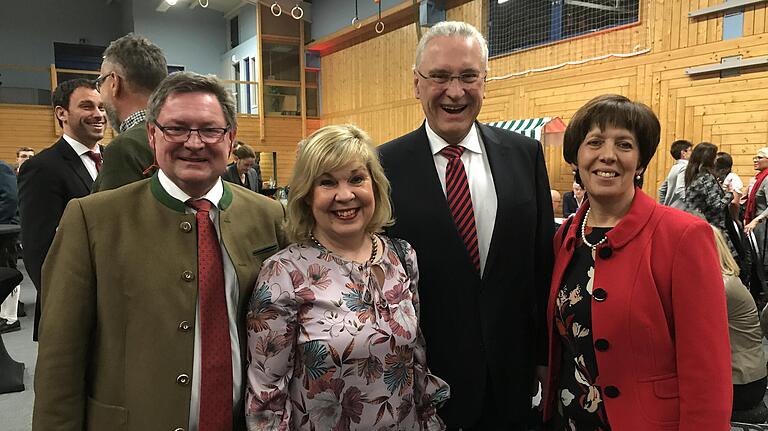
(728, 5)
(261, 73)
(303, 79)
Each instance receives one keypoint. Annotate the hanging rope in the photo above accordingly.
(356, 20)
(380, 24)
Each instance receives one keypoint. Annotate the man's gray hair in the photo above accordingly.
(190, 82)
(138, 60)
(452, 29)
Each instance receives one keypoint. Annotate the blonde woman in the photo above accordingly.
(748, 361)
(333, 324)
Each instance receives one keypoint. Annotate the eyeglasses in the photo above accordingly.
(180, 135)
(757, 158)
(446, 78)
(100, 80)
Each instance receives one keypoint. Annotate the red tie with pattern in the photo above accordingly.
(460, 201)
(96, 157)
(215, 351)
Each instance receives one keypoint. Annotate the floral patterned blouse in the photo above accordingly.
(580, 403)
(329, 348)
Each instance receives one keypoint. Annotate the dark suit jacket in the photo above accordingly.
(46, 183)
(569, 204)
(479, 330)
(125, 159)
(232, 176)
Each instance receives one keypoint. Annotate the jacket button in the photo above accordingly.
(182, 379)
(184, 326)
(187, 275)
(186, 226)
(599, 294)
(601, 344)
(611, 391)
(605, 252)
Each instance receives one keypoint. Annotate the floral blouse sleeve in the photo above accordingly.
(271, 324)
(430, 391)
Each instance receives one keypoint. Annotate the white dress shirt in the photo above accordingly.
(232, 291)
(82, 151)
(481, 186)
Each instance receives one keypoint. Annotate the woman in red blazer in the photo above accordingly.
(637, 314)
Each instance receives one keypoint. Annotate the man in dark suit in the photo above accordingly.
(483, 293)
(59, 173)
(133, 67)
(572, 200)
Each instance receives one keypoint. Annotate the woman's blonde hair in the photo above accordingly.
(328, 149)
(728, 265)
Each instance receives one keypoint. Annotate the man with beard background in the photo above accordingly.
(132, 68)
(59, 173)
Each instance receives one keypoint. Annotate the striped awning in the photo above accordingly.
(530, 127)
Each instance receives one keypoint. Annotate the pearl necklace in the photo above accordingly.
(584, 237)
(374, 246)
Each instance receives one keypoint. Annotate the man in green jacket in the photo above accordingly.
(132, 68)
(145, 297)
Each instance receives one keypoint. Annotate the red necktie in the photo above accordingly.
(216, 356)
(460, 201)
(96, 157)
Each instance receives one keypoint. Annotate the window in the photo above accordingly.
(234, 32)
(518, 24)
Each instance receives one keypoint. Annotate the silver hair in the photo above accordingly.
(452, 29)
(190, 82)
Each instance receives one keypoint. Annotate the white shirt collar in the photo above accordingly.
(214, 194)
(79, 148)
(471, 142)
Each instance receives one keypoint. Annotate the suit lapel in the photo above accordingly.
(74, 162)
(426, 183)
(499, 161)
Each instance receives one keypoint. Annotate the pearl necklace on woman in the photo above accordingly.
(584, 237)
(374, 246)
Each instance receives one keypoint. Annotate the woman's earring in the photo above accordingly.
(638, 176)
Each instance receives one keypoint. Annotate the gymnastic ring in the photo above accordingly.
(300, 13)
(380, 27)
(356, 23)
(203, 5)
(279, 9)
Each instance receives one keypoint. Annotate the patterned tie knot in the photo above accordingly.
(96, 157)
(452, 151)
(200, 205)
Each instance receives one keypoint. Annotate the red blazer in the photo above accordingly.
(662, 323)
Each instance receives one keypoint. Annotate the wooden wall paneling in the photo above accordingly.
(25, 125)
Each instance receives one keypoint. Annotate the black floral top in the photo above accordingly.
(580, 401)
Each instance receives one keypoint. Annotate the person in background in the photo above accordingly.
(133, 67)
(748, 360)
(243, 171)
(633, 280)
(557, 200)
(728, 178)
(572, 200)
(334, 336)
(64, 171)
(9, 214)
(672, 190)
(22, 155)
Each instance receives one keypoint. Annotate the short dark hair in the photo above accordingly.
(24, 149)
(723, 165)
(63, 93)
(244, 152)
(616, 111)
(702, 161)
(141, 62)
(190, 82)
(677, 148)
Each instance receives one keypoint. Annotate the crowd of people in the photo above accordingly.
(417, 285)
